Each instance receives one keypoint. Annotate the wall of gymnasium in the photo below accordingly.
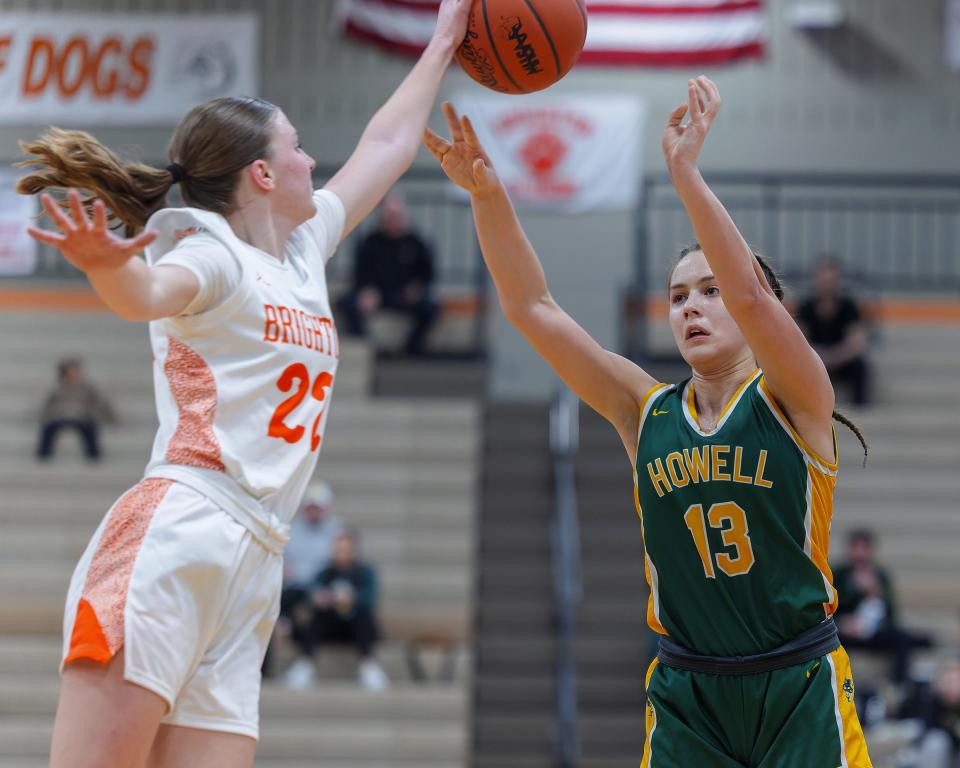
(874, 96)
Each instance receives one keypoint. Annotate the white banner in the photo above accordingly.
(567, 153)
(952, 28)
(121, 69)
(18, 251)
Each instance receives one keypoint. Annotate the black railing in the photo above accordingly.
(567, 577)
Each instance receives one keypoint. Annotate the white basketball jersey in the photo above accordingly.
(243, 390)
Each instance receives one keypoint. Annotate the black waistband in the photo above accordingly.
(811, 644)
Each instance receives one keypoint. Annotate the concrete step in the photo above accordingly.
(313, 762)
(349, 442)
(397, 474)
(366, 740)
(36, 657)
(26, 541)
(25, 694)
(365, 508)
(49, 577)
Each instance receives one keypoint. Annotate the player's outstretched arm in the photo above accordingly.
(390, 141)
(793, 372)
(610, 384)
(128, 286)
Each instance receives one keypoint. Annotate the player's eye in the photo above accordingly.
(713, 291)
(677, 298)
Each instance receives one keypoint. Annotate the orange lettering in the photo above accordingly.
(271, 331)
(141, 56)
(106, 86)
(306, 332)
(41, 54)
(4, 45)
(70, 78)
(286, 323)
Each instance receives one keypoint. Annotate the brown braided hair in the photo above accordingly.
(213, 143)
(777, 287)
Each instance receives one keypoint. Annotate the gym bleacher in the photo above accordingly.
(403, 471)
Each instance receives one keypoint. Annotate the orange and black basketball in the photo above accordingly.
(521, 46)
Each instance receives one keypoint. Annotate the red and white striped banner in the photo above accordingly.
(621, 32)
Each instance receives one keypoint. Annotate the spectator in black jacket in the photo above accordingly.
(867, 616)
(834, 325)
(393, 270)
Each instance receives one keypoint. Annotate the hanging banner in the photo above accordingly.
(18, 251)
(570, 154)
(629, 33)
(121, 69)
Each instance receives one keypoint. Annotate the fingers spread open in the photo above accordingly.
(437, 145)
(79, 215)
(99, 215)
(469, 134)
(54, 212)
(45, 237)
(456, 134)
(138, 243)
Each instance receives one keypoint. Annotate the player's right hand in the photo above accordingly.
(462, 158)
(88, 245)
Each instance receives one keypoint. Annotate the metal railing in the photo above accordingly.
(567, 576)
(891, 232)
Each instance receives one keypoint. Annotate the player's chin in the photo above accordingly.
(698, 353)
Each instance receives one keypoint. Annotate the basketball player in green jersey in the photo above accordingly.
(734, 472)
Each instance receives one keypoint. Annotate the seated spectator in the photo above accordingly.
(393, 269)
(866, 616)
(313, 535)
(343, 603)
(73, 404)
(833, 324)
(935, 707)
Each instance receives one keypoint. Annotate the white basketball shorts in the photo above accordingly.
(189, 595)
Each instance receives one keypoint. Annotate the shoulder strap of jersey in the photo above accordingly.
(653, 396)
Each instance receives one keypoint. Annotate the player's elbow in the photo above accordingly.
(523, 314)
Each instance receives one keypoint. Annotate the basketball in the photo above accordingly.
(521, 46)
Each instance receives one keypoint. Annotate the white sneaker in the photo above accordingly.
(372, 676)
(301, 674)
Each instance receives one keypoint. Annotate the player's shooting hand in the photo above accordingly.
(462, 158)
(682, 142)
(88, 245)
(452, 21)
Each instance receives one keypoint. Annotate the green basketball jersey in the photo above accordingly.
(736, 522)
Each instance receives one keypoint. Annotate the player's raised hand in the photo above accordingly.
(88, 245)
(452, 20)
(462, 158)
(682, 142)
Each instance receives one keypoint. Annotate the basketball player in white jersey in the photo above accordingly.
(171, 606)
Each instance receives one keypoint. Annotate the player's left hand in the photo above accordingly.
(452, 21)
(462, 158)
(682, 142)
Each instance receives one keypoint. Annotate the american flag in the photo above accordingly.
(621, 32)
